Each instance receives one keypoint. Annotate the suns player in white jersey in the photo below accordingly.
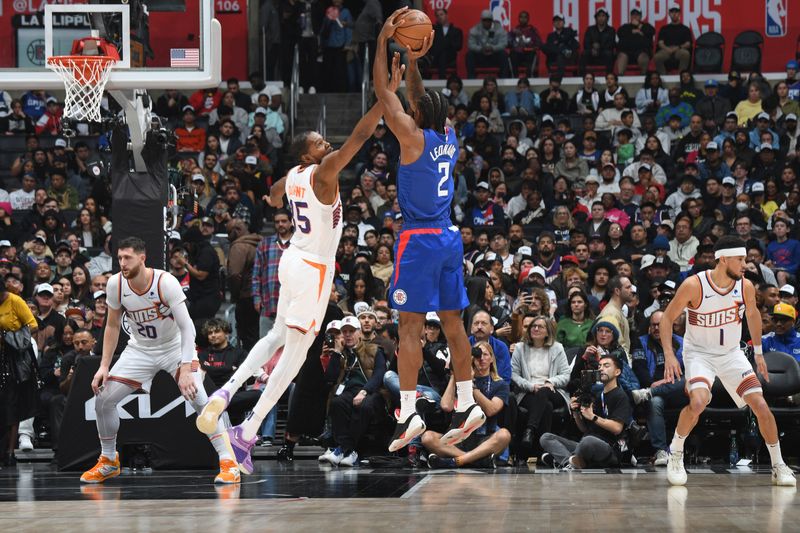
(715, 301)
(162, 337)
(305, 272)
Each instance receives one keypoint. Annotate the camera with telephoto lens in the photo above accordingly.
(584, 392)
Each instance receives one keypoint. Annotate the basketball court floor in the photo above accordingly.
(305, 496)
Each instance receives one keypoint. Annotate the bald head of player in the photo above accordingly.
(131, 256)
(730, 253)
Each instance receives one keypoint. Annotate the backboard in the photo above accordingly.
(162, 43)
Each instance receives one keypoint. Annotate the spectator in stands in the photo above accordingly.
(555, 101)
(483, 144)
(335, 36)
(219, 359)
(447, 43)
(241, 257)
(482, 330)
(783, 253)
(486, 46)
(63, 192)
(170, 106)
(486, 110)
(599, 42)
(586, 100)
(523, 101)
(16, 122)
(575, 325)
(204, 281)
(634, 43)
(561, 46)
(784, 337)
(748, 109)
(482, 211)
(204, 101)
(602, 422)
(524, 41)
(712, 106)
(34, 103)
(786, 104)
(540, 372)
(674, 43)
(674, 107)
(49, 123)
(652, 95)
(657, 394)
(611, 118)
(612, 89)
(491, 392)
(360, 401)
(265, 270)
(101, 262)
(191, 138)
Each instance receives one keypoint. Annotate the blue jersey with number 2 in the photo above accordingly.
(425, 187)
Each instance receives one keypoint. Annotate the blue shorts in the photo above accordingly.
(428, 271)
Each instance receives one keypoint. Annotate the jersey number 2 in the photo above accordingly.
(444, 172)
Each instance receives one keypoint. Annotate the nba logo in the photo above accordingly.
(501, 11)
(776, 18)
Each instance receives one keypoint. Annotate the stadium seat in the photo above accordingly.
(784, 381)
(573, 352)
(709, 52)
(746, 54)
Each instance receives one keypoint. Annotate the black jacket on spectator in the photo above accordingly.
(713, 108)
(606, 38)
(634, 43)
(675, 34)
(554, 107)
(220, 365)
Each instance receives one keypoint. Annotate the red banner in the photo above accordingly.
(777, 20)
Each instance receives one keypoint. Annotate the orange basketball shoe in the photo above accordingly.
(103, 470)
(228, 472)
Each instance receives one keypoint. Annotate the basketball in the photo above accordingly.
(414, 27)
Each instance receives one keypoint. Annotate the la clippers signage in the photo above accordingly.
(780, 26)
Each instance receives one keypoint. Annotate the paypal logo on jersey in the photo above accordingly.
(442, 149)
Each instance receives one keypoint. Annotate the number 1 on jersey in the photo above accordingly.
(444, 172)
(721, 337)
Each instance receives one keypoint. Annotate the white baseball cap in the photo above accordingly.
(762, 116)
(334, 324)
(525, 250)
(260, 111)
(765, 146)
(61, 143)
(198, 177)
(790, 116)
(5, 243)
(788, 289)
(360, 307)
(482, 185)
(757, 187)
(351, 321)
(647, 261)
(251, 160)
(98, 294)
(44, 287)
(728, 180)
(712, 146)
(432, 317)
(538, 270)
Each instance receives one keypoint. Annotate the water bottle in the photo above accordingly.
(733, 455)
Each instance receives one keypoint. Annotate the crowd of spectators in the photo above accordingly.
(580, 214)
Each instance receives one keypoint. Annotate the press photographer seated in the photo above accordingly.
(601, 419)
(491, 393)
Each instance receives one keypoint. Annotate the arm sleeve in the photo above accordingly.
(172, 295)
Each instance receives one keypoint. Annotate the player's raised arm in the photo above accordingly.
(754, 325)
(414, 87)
(401, 124)
(688, 291)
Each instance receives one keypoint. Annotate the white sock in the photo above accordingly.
(108, 447)
(677, 443)
(408, 400)
(292, 359)
(775, 453)
(221, 447)
(464, 395)
(262, 352)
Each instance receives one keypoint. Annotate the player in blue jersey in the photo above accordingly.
(428, 268)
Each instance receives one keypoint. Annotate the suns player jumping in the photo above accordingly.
(428, 272)
(161, 338)
(714, 302)
(306, 273)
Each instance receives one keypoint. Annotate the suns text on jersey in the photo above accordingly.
(442, 149)
(151, 313)
(715, 319)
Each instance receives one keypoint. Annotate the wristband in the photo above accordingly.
(758, 349)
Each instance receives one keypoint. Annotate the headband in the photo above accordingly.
(730, 252)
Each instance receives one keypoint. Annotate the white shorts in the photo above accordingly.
(137, 368)
(733, 370)
(306, 282)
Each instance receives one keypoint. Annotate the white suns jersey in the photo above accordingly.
(317, 227)
(147, 317)
(715, 326)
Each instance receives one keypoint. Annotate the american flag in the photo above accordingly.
(184, 57)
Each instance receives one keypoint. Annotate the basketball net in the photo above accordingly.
(84, 77)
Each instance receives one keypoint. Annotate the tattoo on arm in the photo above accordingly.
(414, 87)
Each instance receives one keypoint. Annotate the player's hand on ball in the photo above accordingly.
(392, 23)
(398, 70)
(99, 379)
(413, 55)
(186, 383)
(761, 367)
(672, 369)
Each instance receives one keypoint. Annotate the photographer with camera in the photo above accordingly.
(357, 400)
(602, 419)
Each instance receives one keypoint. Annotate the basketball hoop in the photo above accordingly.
(85, 76)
